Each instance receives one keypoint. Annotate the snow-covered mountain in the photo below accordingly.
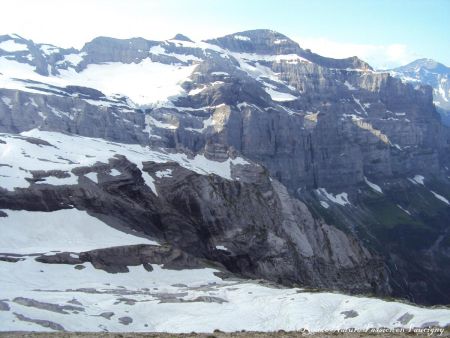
(191, 186)
(434, 74)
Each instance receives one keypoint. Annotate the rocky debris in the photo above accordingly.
(167, 297)
(4, 306)
(349, 314)
(125, 320)
(176, 298)
(44, 323)
(11, 259)
(75, 302)
(106, 315)
(430, 324)
(59, 258)
(64, 309)
(405, 318)
(147, 266)
(208, 299)
(117, 259)
(127, 301)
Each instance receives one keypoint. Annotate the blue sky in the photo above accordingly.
(384, 32)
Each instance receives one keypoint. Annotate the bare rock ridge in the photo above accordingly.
(347, 174)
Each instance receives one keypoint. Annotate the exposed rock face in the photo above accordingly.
(338, 144)
(71, 115)
(266, 232)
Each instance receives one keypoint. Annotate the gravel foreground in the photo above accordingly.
(431, 332)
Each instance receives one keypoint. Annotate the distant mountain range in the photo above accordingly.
(434, 74)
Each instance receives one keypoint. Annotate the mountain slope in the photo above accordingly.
(308, 170)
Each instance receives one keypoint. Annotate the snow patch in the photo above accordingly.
(151, 121)
(324, 204)
(358, 102)
(74, 59)
(403, 209)
(373, 185)
(12, 46)
(7, 101)
(418, 179)
(279, 96)
(92, 176)
(279, 41)
(349, 86)
(341, 199)
(52, 180)
(115, 172)
(49, 49)
(241, 37)
(150, 181)
(440, 197)
(220, 73)
(164, 173)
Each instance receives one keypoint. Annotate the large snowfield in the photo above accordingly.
(43, 297)
(185, 301)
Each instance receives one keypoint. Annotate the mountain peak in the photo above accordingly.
(428, 64)
(260, 41)
(181, 37)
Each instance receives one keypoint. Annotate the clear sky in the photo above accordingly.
(385, 33)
